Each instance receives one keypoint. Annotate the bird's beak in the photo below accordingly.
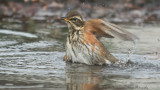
(65, 19)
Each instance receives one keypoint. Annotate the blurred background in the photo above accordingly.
(32, 45)
(124, 11)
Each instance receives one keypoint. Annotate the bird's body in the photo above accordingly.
(83, 44)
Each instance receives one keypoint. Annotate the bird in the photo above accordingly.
(83, 43)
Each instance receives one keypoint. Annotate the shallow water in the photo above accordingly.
(32, 60)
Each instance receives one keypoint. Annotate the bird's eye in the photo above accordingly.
(74, 19)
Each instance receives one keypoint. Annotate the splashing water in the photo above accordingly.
(132, 50)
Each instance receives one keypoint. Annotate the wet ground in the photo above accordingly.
(31, 59)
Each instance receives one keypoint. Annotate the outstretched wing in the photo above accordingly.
(105, 29)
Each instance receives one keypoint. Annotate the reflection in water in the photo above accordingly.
(83, 77)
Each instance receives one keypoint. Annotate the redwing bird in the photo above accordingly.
(83, 44)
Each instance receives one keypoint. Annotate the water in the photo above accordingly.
(32, 59)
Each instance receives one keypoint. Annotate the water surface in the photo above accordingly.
(31, 59)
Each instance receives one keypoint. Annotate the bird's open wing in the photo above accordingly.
(101, 28)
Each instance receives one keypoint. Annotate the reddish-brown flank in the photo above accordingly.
(90, 38)
(65, 57)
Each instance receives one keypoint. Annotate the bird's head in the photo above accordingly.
(74, 19)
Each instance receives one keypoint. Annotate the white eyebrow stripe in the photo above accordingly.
(77, 17)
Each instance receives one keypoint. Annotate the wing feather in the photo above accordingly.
(101, 28)
(117, 31)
